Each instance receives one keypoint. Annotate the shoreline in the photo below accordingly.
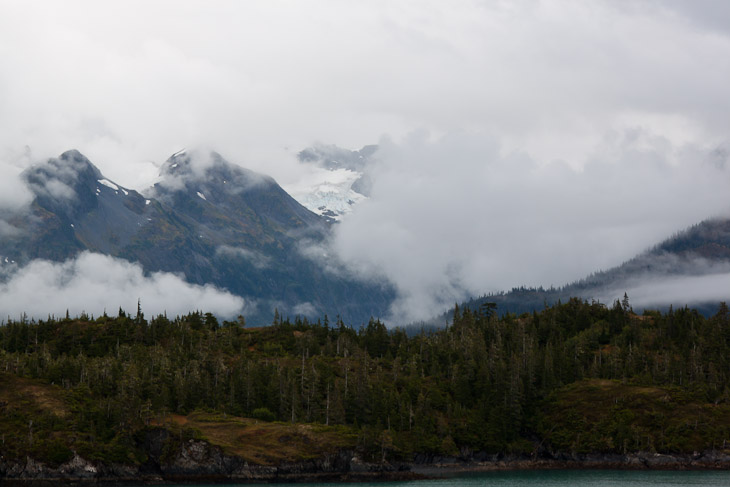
(704, 461)
(341, 468)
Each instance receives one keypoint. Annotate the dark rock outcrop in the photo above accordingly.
(172, 460)
(196, 461)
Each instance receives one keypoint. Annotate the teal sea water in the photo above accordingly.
(556, 478)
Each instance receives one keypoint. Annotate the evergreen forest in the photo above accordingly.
(574, 377)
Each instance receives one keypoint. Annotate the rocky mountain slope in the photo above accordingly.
(207, 219)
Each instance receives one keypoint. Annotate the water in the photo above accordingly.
(553, 478)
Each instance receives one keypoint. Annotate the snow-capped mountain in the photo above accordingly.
(339, 180)
(206, 219)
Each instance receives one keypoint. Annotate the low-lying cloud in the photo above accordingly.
(454, 216)
(14, 194)
(678, 291)
(95, 283)
(256, 259)
(657, 279)
(305, 309)
(191, 168)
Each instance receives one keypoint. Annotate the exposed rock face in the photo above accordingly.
(77, 467)
(195, 460)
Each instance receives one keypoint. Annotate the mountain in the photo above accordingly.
(702, 250)
(207, 219)
(342, 181)
(75, 208)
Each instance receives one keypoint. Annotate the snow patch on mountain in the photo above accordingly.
(327, 192)
(108, 184)
(337, 179)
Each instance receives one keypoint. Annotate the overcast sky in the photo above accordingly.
(525, 142)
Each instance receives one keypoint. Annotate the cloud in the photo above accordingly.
(57, 177)
(187, 166)
(261, 80)
(193, 168)
(8, 230)
(677, 291)
(305, 309)
(704, 13)
(658, 279)
(258, 260)
(454, 216)
(93, 283)
(14, 194)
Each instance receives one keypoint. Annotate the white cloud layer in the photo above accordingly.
(260, 80)
(257, 259)
(93, 283)
(678, 291)
(452, 217)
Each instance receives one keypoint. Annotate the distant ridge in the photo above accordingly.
(701, 250)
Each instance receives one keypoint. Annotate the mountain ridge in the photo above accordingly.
(700, 250)
(212, 222)
(217, 223)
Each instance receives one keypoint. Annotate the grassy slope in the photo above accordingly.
(261, 442)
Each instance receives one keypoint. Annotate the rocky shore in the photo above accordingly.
(198, 461)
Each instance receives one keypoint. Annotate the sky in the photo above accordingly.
(522, 142)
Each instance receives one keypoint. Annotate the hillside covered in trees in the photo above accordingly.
(575, 377)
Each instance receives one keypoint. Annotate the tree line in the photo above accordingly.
(479, 384)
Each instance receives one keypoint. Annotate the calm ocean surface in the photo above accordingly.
(556, 478)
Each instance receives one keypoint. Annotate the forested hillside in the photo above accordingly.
(577, 377)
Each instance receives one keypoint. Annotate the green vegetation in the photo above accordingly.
(598, 415)
(575, 377)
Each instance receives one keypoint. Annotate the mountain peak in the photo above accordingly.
(63, 177)
(71, 185)
(206, 171)
(176, 164)
(333, 157)
(73, 154)
(73, 164)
